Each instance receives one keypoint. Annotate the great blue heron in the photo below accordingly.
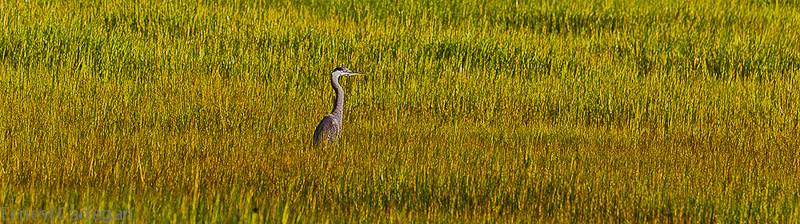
(331, 125)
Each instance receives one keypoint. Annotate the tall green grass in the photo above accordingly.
(497, 111)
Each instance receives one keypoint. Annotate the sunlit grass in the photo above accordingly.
(586, 111)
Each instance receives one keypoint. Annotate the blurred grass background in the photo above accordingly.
(473, 111)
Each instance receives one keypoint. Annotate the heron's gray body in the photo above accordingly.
(328, 130)
(331, 125)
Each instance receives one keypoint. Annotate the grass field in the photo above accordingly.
(496, 111)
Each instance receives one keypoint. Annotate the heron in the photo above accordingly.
(331, 125)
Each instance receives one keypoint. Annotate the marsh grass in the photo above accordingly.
(577, 111)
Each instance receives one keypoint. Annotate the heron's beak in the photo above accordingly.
(352, 73)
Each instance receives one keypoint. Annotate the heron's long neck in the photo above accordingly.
(339, 104)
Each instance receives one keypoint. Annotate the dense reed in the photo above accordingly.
(473, 111)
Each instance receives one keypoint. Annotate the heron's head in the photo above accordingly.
(342, 71)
